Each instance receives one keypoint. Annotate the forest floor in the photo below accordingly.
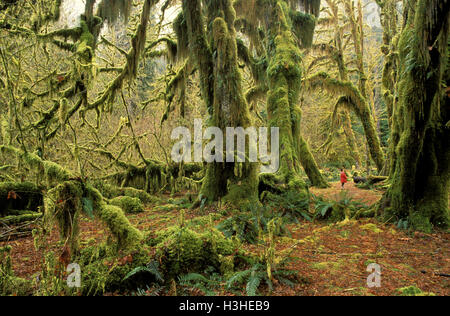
(330, 259)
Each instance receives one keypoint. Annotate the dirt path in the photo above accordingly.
(368, 197)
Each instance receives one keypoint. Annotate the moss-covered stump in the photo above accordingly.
(19, 196)
(128, 204)
(182, 250)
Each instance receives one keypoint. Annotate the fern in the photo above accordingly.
(238, 278)
(152, 268)
(253, 283)
(198, 281)
(193, 277)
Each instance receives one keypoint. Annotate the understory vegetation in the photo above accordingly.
(93, 202)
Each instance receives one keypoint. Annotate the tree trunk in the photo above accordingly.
(235, 183)
(421, 168)
(284, 74)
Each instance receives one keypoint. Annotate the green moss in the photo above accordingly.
(303, 25)
(372, 227)
(420, 164)
(110, 191)
(128, 204)
(19, 219)
(127, 236)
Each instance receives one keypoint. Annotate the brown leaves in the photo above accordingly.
(65, 256)
(13, 195)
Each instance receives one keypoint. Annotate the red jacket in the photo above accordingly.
(343, 177)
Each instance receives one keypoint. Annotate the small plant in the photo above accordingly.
(195, 281)
(344, 209)
(268, 268)
(256, 275)
(152, 268)
(291, 206)
(249, 227)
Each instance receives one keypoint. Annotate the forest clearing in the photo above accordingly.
(224, 148)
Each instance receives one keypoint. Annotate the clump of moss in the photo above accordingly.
(128, 204)
(181, 250)
(412, 291)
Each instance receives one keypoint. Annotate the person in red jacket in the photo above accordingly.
(344, 179)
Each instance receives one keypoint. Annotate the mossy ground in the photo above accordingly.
(331, 259)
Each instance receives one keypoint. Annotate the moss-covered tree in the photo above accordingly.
(420, 172)
(277, 30)
(213, 47)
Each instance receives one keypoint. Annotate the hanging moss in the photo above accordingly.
(5, 130)
(48, 11)
(111, 10)
(180, 28)
(222, 91)
(303, 26)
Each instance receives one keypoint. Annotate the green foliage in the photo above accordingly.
(152, 268)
